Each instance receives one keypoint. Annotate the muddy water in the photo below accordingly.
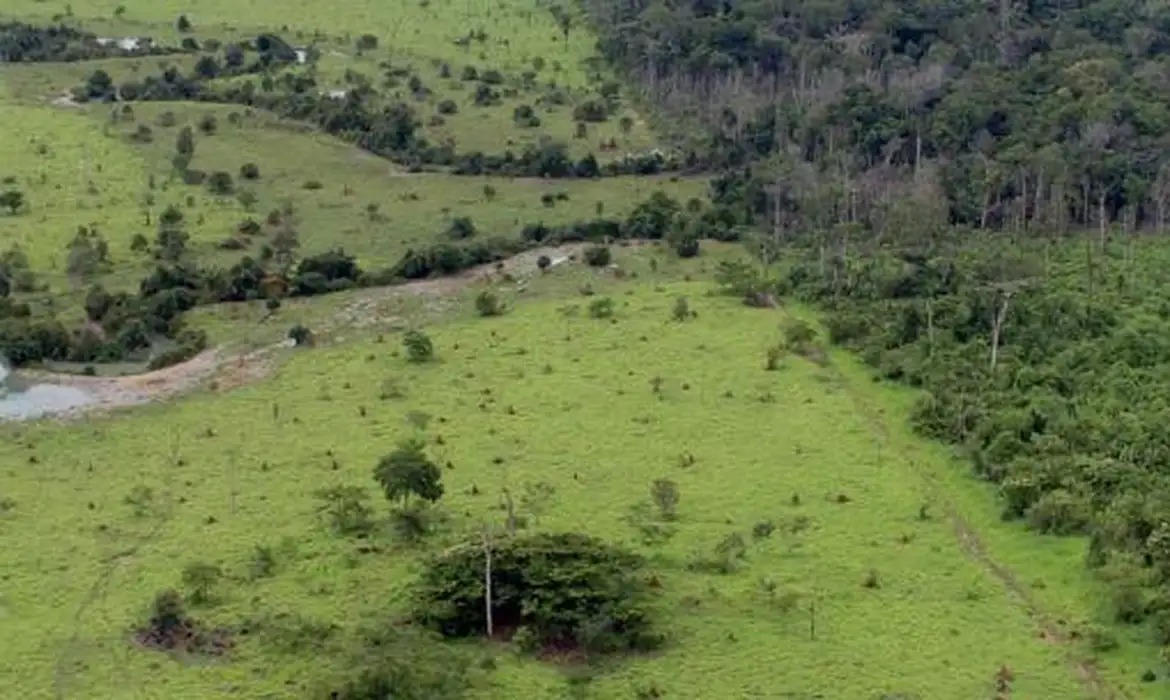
(23, 401)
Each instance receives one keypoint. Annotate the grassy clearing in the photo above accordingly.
(72, 175)
(516, 31)
(118, 185)
(548, 395)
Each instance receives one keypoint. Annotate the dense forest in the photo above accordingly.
(1016, 115)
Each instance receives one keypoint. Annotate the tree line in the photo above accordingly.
(1036, 116)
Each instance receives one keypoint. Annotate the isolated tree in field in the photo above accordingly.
(681, 310)
(183, 24)
(418, 345)
(407, 472)
(12, 200)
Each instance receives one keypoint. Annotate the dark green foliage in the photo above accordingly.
(1064, 415)
(12, 200)
(26, 43)
(250, 171)
(461, 228)
(601, 308)
(936, 105)
(598, 256)
(386, 128)
(407, 472)
(524, 116)
(686, 244)
(366, 42)
(591, 111)
(418, 345)
(487, 303)
(300, 335)
(565, 591)
(220, 183)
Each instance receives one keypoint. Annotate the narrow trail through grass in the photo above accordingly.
(909, 450)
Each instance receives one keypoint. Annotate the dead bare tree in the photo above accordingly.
(1004, 292)
(487, 578)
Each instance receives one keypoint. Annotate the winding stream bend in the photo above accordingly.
(21, 401)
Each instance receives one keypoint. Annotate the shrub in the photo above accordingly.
(447, 107)
(487, 303)
(208, 124)
(407, 471)
(681, 310)
(591, 111)
(724, 559)
(543, 263)
(461, 228)
(772, 358)
(686, 245)
(525, 117)
(250, 171)
(300, 335)
(220, 183)
(345, 509)
(366, 42)
(601, 308)
(418, 345)
(797, 332)
(567, 591)
(598, 256)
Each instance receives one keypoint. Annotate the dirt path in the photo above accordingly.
(224, 371)
(973, 546)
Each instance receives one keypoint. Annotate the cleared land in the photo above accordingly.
(556, 398)
(874, 566)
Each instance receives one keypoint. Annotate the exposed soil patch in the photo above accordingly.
(224, 371)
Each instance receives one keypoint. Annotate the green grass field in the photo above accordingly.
(889, 573)
(81, 170)
(516, 30)
(546, 395)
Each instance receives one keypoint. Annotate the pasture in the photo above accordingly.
(852, 580)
